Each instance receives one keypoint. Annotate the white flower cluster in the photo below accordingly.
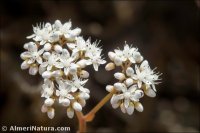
(60, 55)
(133, 83)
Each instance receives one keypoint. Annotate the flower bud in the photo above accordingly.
(70, 112)
(129, 82)
(51, 113)
(111, 55)
(119, 76)
(46, 74)
(139, 107)
(84, 96)
(109, 88)
(65, 102)
(57, 24)
(110, 66)
(73, 69)
(149, 92)
(46, 55)
(117, 61)
(33, 70)
(49, 102)
(82, 102)
(47, 47)
(77, 106)
(58, 48)
(84, 74)
(44, 109)
(26, 45)
(118, 86)
(129, 71)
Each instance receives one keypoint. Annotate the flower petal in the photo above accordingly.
(130, 109)
(126, 102)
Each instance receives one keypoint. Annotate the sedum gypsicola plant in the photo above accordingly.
(60, 55)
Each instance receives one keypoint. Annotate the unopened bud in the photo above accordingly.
(129, 82)
(58, 48)
(73, 69)
(109, 88)
(47, 47)
(49, 102)
(70, 112)
(111, 55)
(149, 92)
(84, 74)
(77, 106)
(119, 76)
(46, 74)
(117, 61)
(110, 66)
(51, 113)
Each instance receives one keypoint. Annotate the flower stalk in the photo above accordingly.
(83, 119)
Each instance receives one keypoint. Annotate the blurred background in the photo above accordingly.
(166, 33)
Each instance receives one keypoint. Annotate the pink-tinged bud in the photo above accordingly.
(51, 113)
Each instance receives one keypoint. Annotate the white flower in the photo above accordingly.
(128, 53)
(33, 54)
(42, 33)
(65, 29)
(32, 58)
(77, 84)
(93, 52)
(146, 75)
(80, 45)
(67, 61)
(96, 61)
(64, 93)
(127, 96)
(47, 88)
(53, 60)
(131, 54)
